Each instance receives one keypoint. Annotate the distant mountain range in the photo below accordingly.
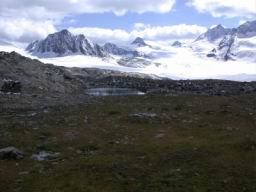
(224, 44)
(64, 43)
(214, 47)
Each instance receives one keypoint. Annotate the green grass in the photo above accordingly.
(195, 144)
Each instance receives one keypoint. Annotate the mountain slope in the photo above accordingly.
(228, 44)
(139, 42)
(115, 50)
(64, 43)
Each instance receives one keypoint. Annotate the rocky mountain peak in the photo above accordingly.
(65, 43)
(176, 44)
(115, 50)
(247, 29)
(214, 33)
(139, 42)
(218, 27)
(64, 31)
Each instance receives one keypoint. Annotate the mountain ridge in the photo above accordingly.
(65, 43)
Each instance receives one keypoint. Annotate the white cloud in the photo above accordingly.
(140, 26)
(23, 30)
(170, 32)
(58, 8)
(102, 35)
(26, 20)
(226, 8)
(148, 32)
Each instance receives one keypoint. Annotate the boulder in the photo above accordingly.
(144, 115)
(45, 156)
(11, 153)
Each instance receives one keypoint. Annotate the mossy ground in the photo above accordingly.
(195, 144)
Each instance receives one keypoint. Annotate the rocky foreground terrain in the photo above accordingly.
(47, 84)
(180, 136)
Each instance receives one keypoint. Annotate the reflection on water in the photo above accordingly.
(113, 92)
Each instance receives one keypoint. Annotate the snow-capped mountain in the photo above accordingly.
(247, 30)
(228, 44)
(218, 53)
(139, 42)
(64, 43)
(176, 44)
(214, 34)
(115, 50)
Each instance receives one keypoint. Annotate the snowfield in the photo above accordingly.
(186, 62)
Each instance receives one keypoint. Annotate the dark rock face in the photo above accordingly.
(177, 44)
(64, 43)
(134, 62)
(225, 47)
(212, 53)
(247, 29)
(11, 153)
(11, 86)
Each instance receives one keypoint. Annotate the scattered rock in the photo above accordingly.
(86, 119)
(32, 114)
(11, 153)
(88, 150)
(45, 156)
(71, 135)
(160, 135)
(11, 86)
(24, 173)
(144, 115)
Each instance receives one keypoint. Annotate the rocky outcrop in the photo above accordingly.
(225, 47)
(134, 62)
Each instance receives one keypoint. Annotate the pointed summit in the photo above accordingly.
(64, 31)
(218, 27)
(176, 44)
(139, 42)
(247, 29)
(214, 33)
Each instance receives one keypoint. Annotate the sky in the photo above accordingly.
(23, 21)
